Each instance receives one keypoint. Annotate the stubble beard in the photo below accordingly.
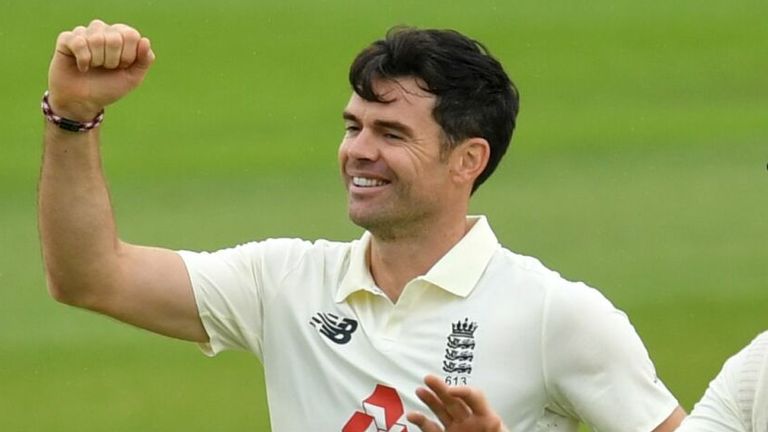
(391, 221)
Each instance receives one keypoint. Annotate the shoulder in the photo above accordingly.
(593, 360)
(735, 395)
(744, 380)
(295, 249)
(565, 298)
(745, 365)
(523, 268)
(274, 256)
(759, 346)
(578, 321)
(277, 247)
(568, 309)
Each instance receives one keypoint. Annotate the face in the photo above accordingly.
(390, 160)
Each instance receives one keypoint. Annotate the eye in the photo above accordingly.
(392, 136)
(351, 129)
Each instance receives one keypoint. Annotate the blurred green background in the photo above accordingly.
(639, 166)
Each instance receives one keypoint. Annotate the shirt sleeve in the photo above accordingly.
(596, 367)
(231, 286)
(717, 410)
(730, 402)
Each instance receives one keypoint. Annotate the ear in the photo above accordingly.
(469, 159)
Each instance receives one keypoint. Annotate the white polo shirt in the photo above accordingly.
(737, 399)
(340, 356)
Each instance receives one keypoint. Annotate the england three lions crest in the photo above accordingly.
(460, 352)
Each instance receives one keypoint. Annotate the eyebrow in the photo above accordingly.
(383, 124)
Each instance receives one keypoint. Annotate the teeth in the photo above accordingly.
(367, 182)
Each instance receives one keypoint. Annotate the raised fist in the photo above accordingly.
(95, 66)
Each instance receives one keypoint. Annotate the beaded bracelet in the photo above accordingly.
(67, 124)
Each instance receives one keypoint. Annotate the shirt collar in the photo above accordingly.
(456, 272)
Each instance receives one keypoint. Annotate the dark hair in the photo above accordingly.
(475, 97)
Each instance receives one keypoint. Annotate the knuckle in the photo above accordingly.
(95, 27)
(77, 32)
(124, 28)
(78, 42)
(96, 40)
(64, 36)
(113, 40)
(132, 35)
(128, 34)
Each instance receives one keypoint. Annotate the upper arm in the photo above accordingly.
(151, 289)
(597, 368)
(234, 287)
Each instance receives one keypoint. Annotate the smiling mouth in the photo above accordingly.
(365, 182)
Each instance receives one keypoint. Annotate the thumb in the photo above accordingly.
(144, 54)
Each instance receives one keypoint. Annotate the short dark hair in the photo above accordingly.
(475, 97)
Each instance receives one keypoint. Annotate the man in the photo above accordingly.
(737, 399)
(347, 331)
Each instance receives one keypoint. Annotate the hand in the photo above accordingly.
(459, 409)
(94, 66)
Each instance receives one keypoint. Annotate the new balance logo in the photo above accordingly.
(339, 330)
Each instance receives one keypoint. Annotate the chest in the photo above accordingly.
(349, 356)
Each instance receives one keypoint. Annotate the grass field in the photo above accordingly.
(639, 166)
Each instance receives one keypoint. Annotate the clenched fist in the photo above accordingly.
(95, 66)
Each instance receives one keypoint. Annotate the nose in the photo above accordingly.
(361, 145)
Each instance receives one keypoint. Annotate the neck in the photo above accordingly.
(396, 260)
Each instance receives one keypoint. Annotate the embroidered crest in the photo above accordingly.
(460, 352)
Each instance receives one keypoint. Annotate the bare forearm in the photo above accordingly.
(77, 228)
(86, 264)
